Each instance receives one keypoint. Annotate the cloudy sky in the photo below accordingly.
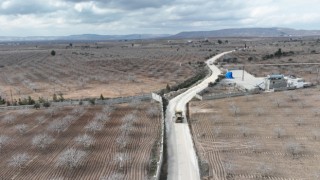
(65, 17)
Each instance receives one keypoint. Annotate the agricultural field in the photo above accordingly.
(264, 136)
(114, 69)
(263, 54)
(81, 142)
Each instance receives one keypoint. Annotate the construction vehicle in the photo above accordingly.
(179, 117)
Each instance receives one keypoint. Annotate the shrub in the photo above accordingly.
(21, 128)
(92, 101)
(94, 126)
(85, 140)
(71, 158)
(42, 141)
(46, 104)
(19, 160)
(53, 53)
(36, 106)
(294, 148)
(3, 141)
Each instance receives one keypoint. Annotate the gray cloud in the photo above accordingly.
(61, 17)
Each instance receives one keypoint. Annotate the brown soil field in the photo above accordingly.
(262, 140)
(101, 158)
(305, 50)
(110, 68)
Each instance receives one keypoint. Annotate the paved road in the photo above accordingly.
(182, 160)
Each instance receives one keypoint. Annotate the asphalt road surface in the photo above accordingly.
(182, 160)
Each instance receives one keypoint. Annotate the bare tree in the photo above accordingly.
(316, 134)
(57, 126)
(129, 118)
(24, 112)
(40, 119)
(234, 109)
(9, 119)
(229, 167)
(244, 131)
(19, 160)
(3, 141)
(264, 169)
(299, 121)
(122, 141)
(316, 112)
(71, 158)
(259, 111)
(42, 141)
(126, 128)
(278, 102)
(288, 112)
(279, 131)
(85, 140)
(107, 110)
(136, 103)
(52, 111)
(291, 96)
(120, 159)
(216, 131)
(152, 111)
(302, 104)
(101, 117)
(237, 120)
(21, 128)
(216, 118)
(94, 126)
(78, 110)
(294, 148)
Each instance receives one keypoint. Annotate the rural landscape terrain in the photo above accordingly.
(146, 108)
(81, 142)
(274, 135)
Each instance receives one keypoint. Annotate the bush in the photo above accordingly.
(55, 98)
(36, 106)
(2, 101)
(53, 53)
(92, 101)
(46, 104)
(101, 97)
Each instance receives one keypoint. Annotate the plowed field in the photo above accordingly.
(271, 136)
(100, 160)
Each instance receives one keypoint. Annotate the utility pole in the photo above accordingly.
(243, 73)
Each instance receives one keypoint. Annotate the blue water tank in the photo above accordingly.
(229, 75)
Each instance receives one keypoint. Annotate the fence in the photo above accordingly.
(228, 95)
(159, 163)
(120, 100)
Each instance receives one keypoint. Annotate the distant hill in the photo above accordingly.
(248, 32)
(240, 32)
(84, 37)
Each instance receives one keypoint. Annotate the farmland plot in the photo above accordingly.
(266, 136)
(93, 142)
(87, 70)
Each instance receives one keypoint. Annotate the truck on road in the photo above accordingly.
(179, 117)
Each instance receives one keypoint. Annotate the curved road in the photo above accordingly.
(182, 160)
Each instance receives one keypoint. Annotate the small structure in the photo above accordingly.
(229, 75)
(275, 81)
(294, 82)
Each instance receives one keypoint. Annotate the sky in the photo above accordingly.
(110, 17)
